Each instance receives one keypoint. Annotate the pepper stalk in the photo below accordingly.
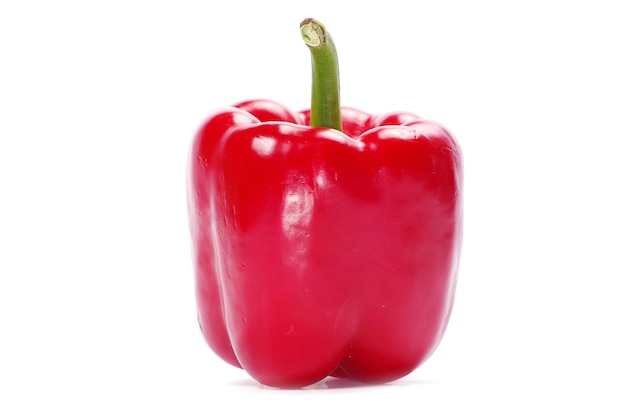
(325, 106)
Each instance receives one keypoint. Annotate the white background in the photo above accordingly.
(99, 102)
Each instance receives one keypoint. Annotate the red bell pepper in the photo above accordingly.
(326, 242)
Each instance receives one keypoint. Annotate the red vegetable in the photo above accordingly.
(320, 252)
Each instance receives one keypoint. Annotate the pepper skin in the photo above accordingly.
(319, 252)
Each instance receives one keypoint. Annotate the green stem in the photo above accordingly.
(325, 107)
